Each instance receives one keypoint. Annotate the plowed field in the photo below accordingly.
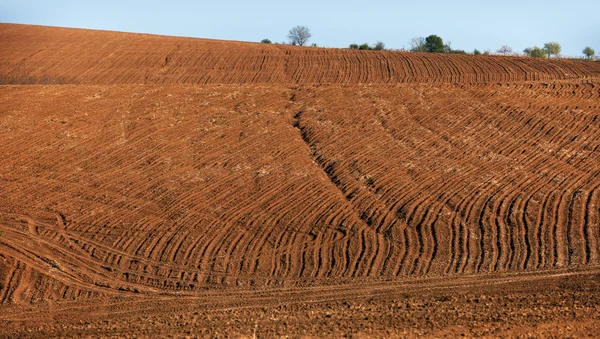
(60, 55)
(158, 185)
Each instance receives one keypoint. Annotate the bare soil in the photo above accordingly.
(186, 187)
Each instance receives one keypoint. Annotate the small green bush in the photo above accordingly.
(535, 52)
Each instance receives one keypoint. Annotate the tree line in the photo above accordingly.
(435, 44)
(300, 35)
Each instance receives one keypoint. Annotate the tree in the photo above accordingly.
(476, 52)
(434, 44)
(448, 47)
(418, 44)
(364, 47)
(379, 46)
(265, 41)
(353, 46)
(552, 48)
(589, 52)
(535, 52)
(505, 50)
(299, 35)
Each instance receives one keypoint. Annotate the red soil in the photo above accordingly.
(347, 192)
(98, 57)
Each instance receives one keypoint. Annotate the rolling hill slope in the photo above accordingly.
(164, 174)
(97, 57)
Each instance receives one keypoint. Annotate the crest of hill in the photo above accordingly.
(39, 54)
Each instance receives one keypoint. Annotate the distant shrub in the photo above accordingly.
(457, 51)
(314, 45)
(379, 46)
(476, 52)
(535, 52)
(265, 41)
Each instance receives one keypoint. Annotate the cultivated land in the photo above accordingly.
(187, 187)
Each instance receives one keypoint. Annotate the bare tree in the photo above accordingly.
(505, 50)
(448, 47)
(418, 44)
(299, 35)
(379, 46)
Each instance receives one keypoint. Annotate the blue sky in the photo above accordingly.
(468, 24)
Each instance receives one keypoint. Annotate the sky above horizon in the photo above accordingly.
(467, 24)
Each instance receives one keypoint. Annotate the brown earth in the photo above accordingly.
(61, 55)
(189, 187)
